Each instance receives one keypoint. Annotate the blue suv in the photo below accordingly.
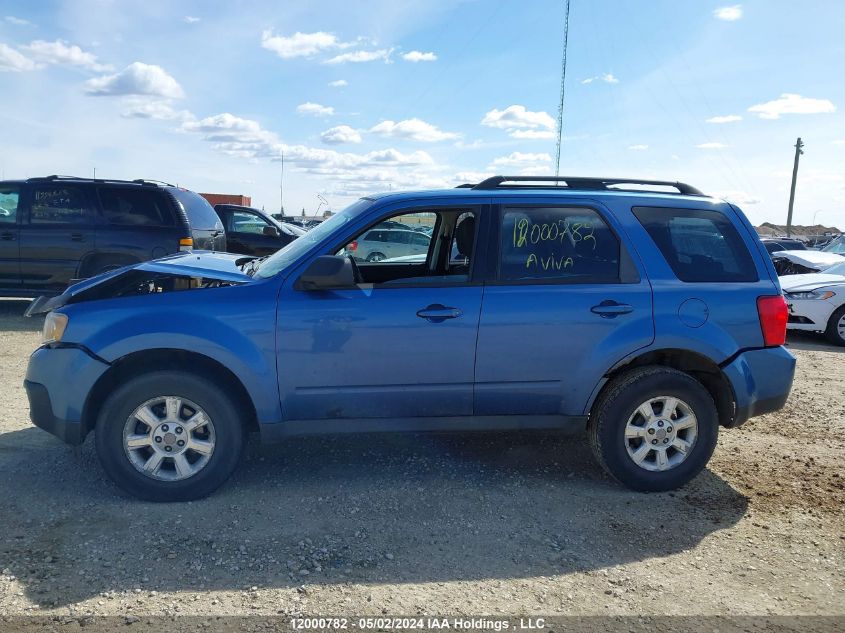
(642, 312)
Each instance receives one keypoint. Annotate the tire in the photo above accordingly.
(835, 331)
(617, 412)
(375, 257)
(219, 437)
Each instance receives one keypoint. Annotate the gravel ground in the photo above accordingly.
(433, 525)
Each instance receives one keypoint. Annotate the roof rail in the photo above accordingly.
(54, 177)
(579, 182)
(150, 181)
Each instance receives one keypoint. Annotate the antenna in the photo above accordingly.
(562, 89)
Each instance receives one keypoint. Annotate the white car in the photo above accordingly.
(817, 302)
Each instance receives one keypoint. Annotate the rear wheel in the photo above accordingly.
(836, 327)
(654, 428)
(375, 257)
(169, 436)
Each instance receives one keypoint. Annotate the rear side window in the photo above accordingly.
(201, 214)
(699, 246)
(59, 205)
(134, 207)
(557, 243)
(9, 204)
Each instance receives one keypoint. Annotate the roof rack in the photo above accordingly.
(139, 181)
(578, 182)
(150, 181)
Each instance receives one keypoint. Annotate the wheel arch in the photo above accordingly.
(704, 369)
(95, 260)
(144, 361)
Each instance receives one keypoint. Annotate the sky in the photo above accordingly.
(361, 97)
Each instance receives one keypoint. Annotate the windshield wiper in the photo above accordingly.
(252, 265)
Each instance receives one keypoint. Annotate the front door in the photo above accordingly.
(10, 273)
(401, 345)
(566, 305)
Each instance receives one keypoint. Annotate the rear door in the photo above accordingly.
(10, 272)
(57, 232)
(567, 302)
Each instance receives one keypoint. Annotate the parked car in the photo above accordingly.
(252, 232)
(775, 244)
(806, 261)
(381, 243)
(57, 229)
(646, 319)
(817, 302)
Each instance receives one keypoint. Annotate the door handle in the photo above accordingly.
(8, 236)
(609, 309)
(437, 313)
(77, 237)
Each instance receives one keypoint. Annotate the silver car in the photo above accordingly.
(379, 244)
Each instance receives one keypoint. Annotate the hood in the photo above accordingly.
(179, 272)
(811, 259)
(805, 283)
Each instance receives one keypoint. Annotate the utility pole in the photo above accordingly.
(95, 173)
(798, 151)
(562, 88)
(282, 186)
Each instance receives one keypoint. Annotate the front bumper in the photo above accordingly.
(58, 381)
(761, 380)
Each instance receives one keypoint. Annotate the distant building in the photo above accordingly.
(227, 198)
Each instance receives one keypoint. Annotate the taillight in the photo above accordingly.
(352, 246)
(773, 315)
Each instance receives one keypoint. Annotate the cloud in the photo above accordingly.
(532, 134)
(314, 109)
(729, 14)
(299, 44)
(340, 134)
(638, 147)
(17, 21)
(792, 104)
(419, 56)
(338, 83)
(738, 197)
(414, 129)
(361, 56)
(839, 141)
(190, 19)
(12, 61)
(608, 78)
(711, 146)
(520, 159)
(516, 117)
(62, 53)
(136, 79)
(728, 118)
(160, 110)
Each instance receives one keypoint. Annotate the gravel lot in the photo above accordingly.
(436, 525)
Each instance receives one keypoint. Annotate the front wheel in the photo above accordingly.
(169, 436)
(836, 327)
(375, 257)
(654, 428)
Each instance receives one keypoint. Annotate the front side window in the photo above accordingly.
(699, 245)
(389, 245)
(245, 222)
(557, 244)
(59, 205)
(9, 197)
(134, 207)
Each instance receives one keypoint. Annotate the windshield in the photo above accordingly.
(285, 257)
(836, 246)
(839, 269)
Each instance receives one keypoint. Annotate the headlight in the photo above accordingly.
(812, 294)
(54, 327)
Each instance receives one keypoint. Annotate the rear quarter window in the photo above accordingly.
(201, 215)
(699, 245)
(135, 206)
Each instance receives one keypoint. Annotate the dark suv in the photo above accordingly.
(56, 229)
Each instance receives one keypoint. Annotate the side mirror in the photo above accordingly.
(271, 231)
(327, 271)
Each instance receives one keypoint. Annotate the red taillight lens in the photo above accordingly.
(773, 315)
(352, 246)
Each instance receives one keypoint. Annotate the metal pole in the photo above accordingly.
(562, 89)
(798, 152)
(282, 186)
